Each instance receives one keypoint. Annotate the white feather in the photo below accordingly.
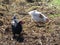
(14, 21)
(35, 15)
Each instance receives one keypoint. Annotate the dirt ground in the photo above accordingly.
(31, 34)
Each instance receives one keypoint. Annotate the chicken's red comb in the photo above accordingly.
(21, 22)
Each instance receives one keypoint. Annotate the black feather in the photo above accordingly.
(17, 29)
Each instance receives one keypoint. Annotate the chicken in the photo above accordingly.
(38, 17)
(16, 26)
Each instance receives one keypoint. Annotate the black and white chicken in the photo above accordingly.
(16, 26)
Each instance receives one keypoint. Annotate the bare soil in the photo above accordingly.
(31, 34)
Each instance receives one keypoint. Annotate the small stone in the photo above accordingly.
(39, 42)
(11, 38)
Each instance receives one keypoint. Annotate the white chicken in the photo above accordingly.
(38, 17)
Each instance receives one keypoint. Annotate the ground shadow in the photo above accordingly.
(19, 38)
(1, 23)
(40, 26)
